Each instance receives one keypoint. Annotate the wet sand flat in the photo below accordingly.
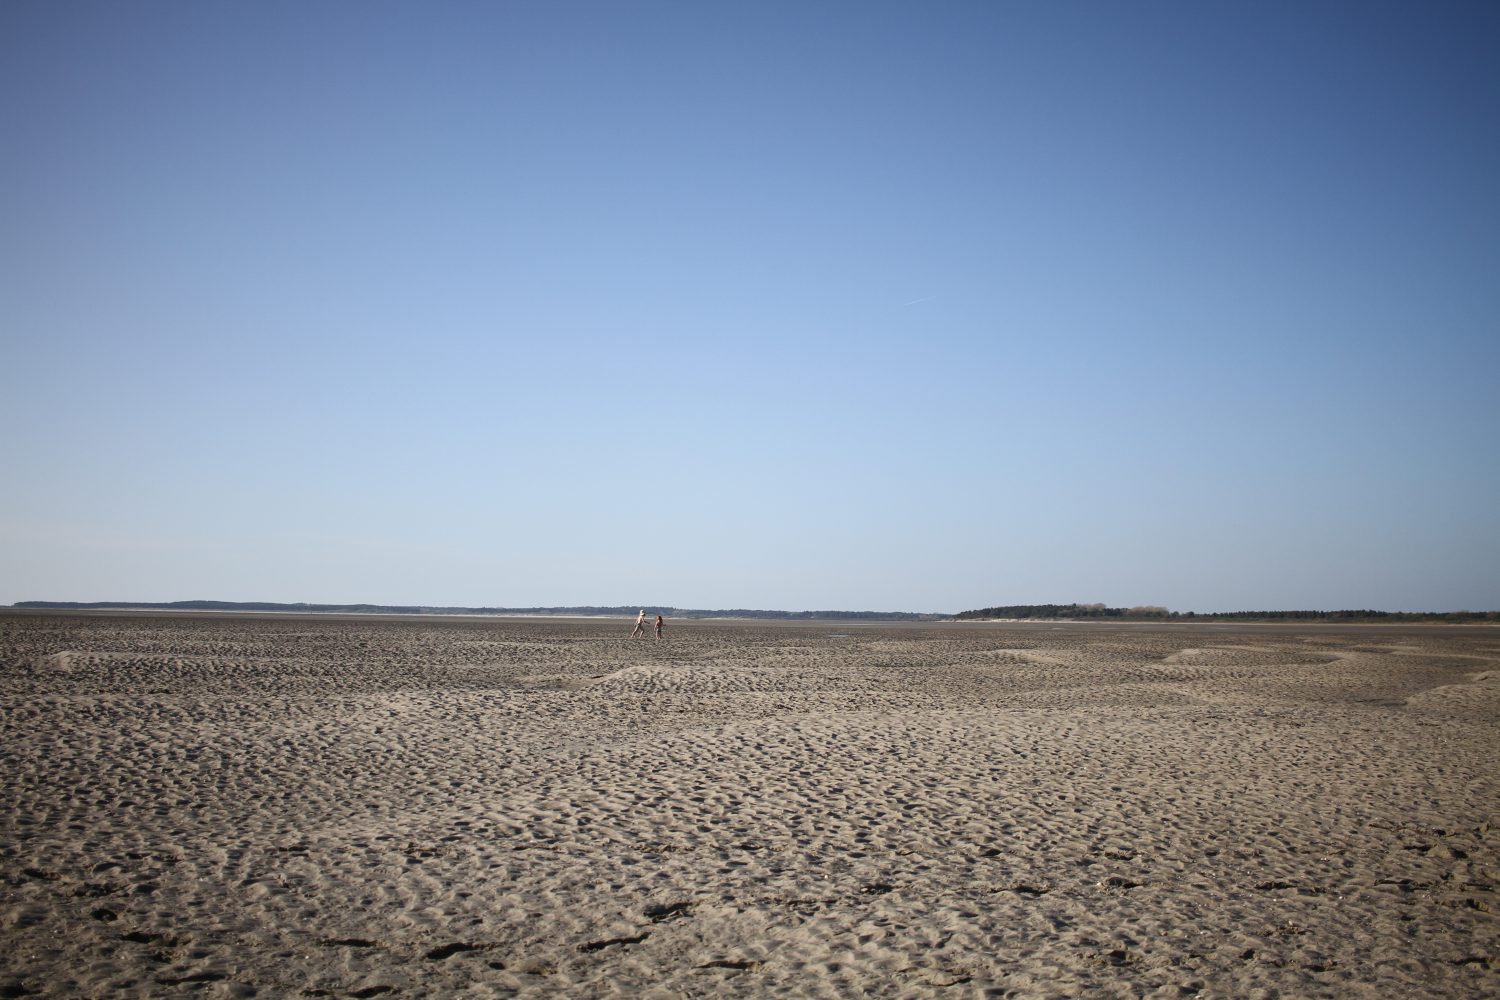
(295, 806)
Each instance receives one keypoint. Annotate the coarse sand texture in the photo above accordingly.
(292, 806)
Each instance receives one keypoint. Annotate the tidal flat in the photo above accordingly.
(237, 805)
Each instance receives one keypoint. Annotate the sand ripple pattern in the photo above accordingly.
(267, 807)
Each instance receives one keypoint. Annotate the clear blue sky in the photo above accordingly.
(916, 306)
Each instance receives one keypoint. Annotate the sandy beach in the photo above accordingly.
(283, 806)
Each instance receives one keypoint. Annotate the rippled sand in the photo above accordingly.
(283, 807)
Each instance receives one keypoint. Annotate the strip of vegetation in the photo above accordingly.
(1087, 612)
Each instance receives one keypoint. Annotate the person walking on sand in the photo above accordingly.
(659, 625)
(640, 626)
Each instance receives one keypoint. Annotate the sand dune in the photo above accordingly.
(289, 807)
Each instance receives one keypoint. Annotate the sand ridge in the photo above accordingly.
(277, 807)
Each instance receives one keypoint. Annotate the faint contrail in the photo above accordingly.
(915, 301)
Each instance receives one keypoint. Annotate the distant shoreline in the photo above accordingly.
(335, 611)
(578, 611)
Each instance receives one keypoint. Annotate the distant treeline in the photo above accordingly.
(1069, 612)
(1364, 615)
(1065, 611)
(1153, 613)
(411, 609)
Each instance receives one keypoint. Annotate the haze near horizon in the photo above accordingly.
(850, 306)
